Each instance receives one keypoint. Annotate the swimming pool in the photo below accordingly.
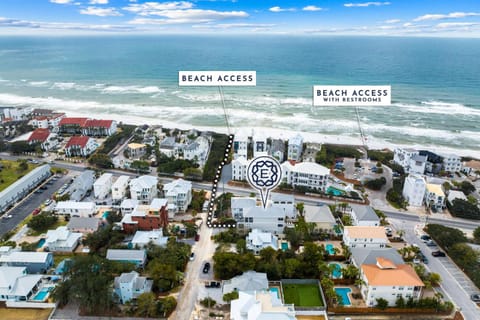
(337, 271)
(105, 215)
(275, 289)
(41, 242)
(343, 293)
(42, 294)
(284, 246)
(330, 249)
(334, 191)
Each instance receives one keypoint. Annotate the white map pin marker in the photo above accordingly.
(264, 174)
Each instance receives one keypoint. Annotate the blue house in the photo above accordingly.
(35, 262)
(138, 257)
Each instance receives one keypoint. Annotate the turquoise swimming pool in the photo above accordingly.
(284, 246)
(334, 191)
(42, 294)
(330, 249)
(105, 215)
(343, 293)
(41, 242)
(337, 271)
(274, 289)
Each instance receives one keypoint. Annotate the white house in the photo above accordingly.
(363, 216)
(75, 209)
(239, 205)
(270, 219)
(435, 197)
(414, 189)
(119, 188)
(259, 145)
(239, 168)
(20, 188)
(198, 150)
(80, 146)
(143, 238)
(452, 163)
(102, 186)
(361, 256)
(410, 160)
(364, 237)
(17, 285)
(390, 281)
(136, 150)
(61, 239)
(128, 205)
(258, 240)
(285, 202)
(320, 215)
(16, 114)
(179, 193)
(240, 145)
(247, 281)
(144, 188)
(45, 138)
(260, 305)
(306, 174)
(82, 184)
(129, 286)
(295, 147)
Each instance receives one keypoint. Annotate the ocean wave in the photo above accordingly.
(213, 116)
(38, 83)
(132, 89)
(63, 85)
(439, 107)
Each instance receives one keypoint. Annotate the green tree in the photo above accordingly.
(476, 235)
(467, 187)
(23, 165)
(434, 279)
(164, 276)
(89, 281)
(350, 272)
(168, 304)
(241, 246)
(42, 222)
(101, 160)
(146, 305)
(208, 302)
(382, 304)
(300, 208)
(464, 209)
(228, 297)
(291, 267)
(400, 302)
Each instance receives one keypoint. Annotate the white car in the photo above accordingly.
(192, 256)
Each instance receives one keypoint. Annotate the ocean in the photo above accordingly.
(435, 84)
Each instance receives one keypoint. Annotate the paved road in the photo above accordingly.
(455, 284)
(27, 205)
(189, 293)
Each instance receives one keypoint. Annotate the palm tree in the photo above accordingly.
(350, 272)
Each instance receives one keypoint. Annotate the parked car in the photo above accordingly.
(425, 238)
(48, 202)
(192, 256)
(38, 191)
(438, 253)
(206, 267)
(431, 243)
(44, 187)
(36, 211)
(475, 297)
(197, 237)
(212, 284)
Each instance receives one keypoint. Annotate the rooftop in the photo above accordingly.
(39, 134)
(83, 223)
(126, 255)
(309, 168)
(73, 121)
(77, 141)
(401, 275)
(318, 214)
(364, 213)
(94, 123)
(366, 232)
(136, 145)
(435, 188)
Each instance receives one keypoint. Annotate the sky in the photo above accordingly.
(446, 18)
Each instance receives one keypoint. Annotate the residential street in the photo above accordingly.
(188, 295)
(455, 284)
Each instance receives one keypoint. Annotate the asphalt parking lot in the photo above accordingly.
(28, 204)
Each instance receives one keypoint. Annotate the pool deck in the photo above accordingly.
(353, 302)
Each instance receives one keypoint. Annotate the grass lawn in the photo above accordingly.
(10, 172)
(57, 258)
(24, 314)
(302, 295)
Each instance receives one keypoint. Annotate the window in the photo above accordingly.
(400, 288)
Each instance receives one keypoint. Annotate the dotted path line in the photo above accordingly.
(211, 204)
